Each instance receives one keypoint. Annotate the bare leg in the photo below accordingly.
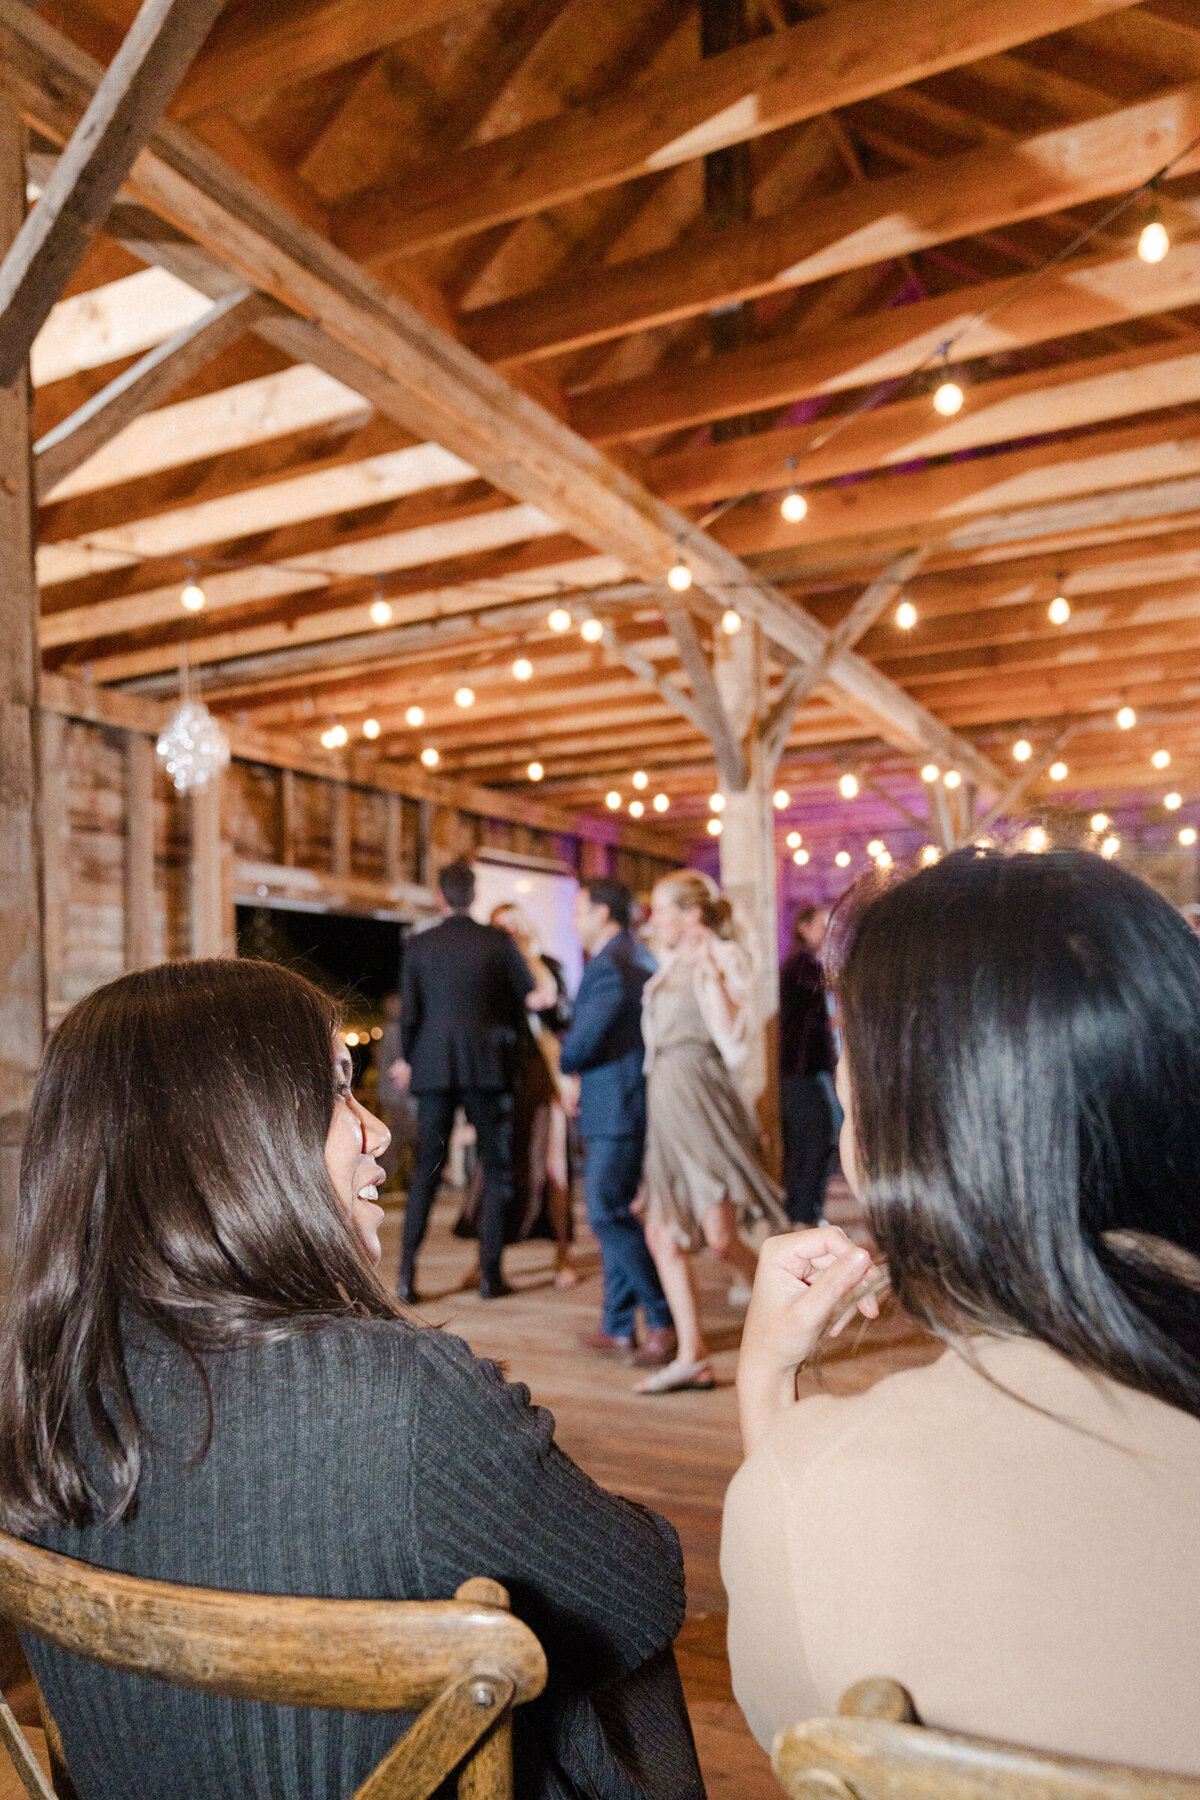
(723, 1238)
(558, 1208)
(674, 1271)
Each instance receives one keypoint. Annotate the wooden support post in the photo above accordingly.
(748, 873)
(56, 842)
(22, 964)
(287, 818)
(207, 875)
(393, 833)
(140, 948)
(339, 828)
(939, 814)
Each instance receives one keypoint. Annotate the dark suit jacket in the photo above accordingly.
(604, 1045)
(462, 1013)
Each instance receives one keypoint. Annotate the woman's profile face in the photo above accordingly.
(356, 1138)
(668, 921)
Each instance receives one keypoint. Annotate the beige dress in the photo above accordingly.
(701, 1143)
(1021, 1548)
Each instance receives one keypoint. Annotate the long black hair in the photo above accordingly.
(173, 1173)
(1023, 1040)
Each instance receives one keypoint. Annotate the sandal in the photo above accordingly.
(678, 1376)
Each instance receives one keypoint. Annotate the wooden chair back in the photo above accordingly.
(876, 1749)
(461, 1665)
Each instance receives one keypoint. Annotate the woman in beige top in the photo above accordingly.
(703, 1172)
(1012, 1532)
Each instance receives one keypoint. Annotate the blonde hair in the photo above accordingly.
(691, 888)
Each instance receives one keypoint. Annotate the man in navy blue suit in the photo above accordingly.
(604, 1049)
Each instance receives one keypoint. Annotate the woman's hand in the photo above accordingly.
(807, 1282)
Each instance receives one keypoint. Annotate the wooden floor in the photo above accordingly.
(675, 1453)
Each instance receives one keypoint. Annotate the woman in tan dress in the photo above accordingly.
(703, 1173)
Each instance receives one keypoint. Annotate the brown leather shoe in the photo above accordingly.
(605, 1345)
(656, 1348)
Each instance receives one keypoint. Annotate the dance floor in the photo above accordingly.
(674, 1452)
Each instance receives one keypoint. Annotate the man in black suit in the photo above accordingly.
(464, 988)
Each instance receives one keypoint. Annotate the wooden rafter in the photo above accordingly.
(707, 700)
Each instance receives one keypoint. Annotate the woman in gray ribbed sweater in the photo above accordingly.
(246, 1408)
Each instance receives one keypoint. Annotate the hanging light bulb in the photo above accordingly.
(794, 506)
(1099, 822)
(1058, 771)
(464, 697)
(430, 757)
(661, 803)
(781, 799)
(716, 803)
(193, 598)
(906, 615)
(591, 631)
(381, 611)
(930, 854)
(800, 857)
(714, 828)
(335, 737)
(731, 622)
(948, 395)
(884, 860)
(842, 859)
(793, 840)
(1037, 839)
(848, 786)
(679, 577)
(371, 728)
(1022, 750)
(640, 779)
(612, 800)
(559, 620)
(1110, 846)
(1126, 718)
(1059, 610)
(535, 771)
(415, 716)
(1153, 242)
(522, 669)
(1161, 759)
(930, 773)
(876, 847)
(1173, 802)
(636, 809)
(1188, 835)
(952, 778)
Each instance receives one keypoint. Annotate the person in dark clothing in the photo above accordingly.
(464, 988)
(604, 1050)
(197, 1237)
(806, 1064)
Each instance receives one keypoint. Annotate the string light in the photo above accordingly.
(794, 506)
(679, 578)
(612, 800)
(731, 622)
(884, 860)
(1099, 822)
(1037, 839)
(371, 728)
(636, 809)
(464, 697)
(591, 631)
(1153, 242)
(535, 771)
(948, 396)
(640, 779)
(1059, 610)
(1022, 750)
(1161, 759)
(1058, 771)
(1188, 835)
(430, 757)
(876, 847)
(335, 737)
(952, 778)
(930, 772)
(193, 598)
(559, 619)
(1173, 802)
(848, 786)
(522, 669)
(930, 854)
(716, 803)
(415, 716)
(842, 859)
(800, 857)
(381, 612)
(1110, 846)
(714, 828)
(660, 803)
(781, 799)
(793, 840)
(906, 615)
(1126, 718)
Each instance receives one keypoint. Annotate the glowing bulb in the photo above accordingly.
(1126, 718)
(415, 716)
(330, 739)
(848, 786)
(430, 757)
(636, 809)
(876, 847)
(522, 669)
(381, 612)
(1037, 840)
(679, 578)
(1153, 243)
(1161, 759)
(1110, 846)
(1099, 821)
(800, 857)
(906, 615)
(781, 799)
(535, 771)
(661, 803)
(731, 622)
(930, 854)
(793, 506)
(1187, 835)
(371, 728)
(350, 1038)
(560, 619)
(952, 778)
(930, 772)
(612, 800)
(1173, 802)
(793, 840)
(640, 779)
(948, 399)
(714, 828)
(1059, 610)
(883, 860)
(842, 859)
(591, 631)
(1022, 750)
(1058, 771)
(464, 696)
(193, 598)
(716, 803)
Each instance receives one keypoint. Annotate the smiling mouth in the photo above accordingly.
(370, 1192)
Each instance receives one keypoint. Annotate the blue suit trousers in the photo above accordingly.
(610, 1183)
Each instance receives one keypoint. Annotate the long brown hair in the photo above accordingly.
(173, 1175)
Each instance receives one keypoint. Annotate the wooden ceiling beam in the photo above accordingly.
(434, 387)
(866, 223)
(858, 50)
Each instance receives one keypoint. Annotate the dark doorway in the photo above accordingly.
(356, 958)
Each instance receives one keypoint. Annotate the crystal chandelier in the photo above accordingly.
(193, 747)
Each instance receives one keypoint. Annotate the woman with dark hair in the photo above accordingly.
(1012, 1531)
(203, 1381)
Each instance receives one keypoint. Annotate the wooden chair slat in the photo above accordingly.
(23, 1760)
(487, 1774)
(438, 1741)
